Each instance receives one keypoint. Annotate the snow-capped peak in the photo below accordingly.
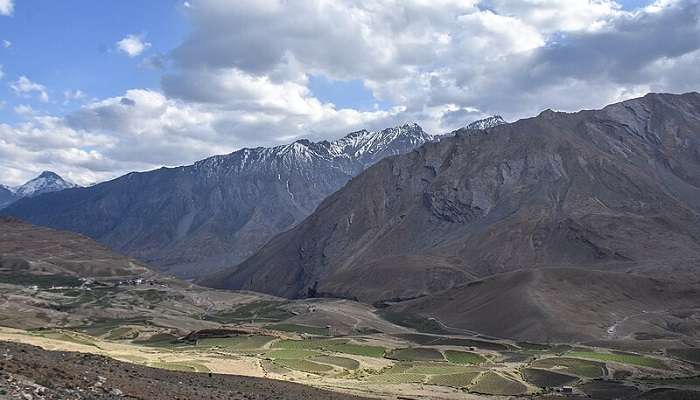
(46, 182)
(486, 123)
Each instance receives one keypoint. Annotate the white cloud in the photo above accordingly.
(133, 45)
(242, 76)
(6, 7)
(2, 73)
(24, 110)
(6, 44)
(72, 95)
(25, 87)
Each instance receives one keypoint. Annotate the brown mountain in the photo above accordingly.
(618, 186)
(565, 304)
(30, 249)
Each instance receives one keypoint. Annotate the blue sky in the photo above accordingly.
(213, 76)
(70, 45)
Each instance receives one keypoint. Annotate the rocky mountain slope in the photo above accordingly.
(46, 182)
(7, 196)
(29, 249)
(618, 185)
(565, 305)
(215, 213)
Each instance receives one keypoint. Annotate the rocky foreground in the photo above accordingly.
(31, 373)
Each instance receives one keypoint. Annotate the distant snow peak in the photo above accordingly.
(486, 123)
(46, 182)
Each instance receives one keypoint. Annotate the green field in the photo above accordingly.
(269, 311)
(185, 366)
(42, 281)
(573, 366)
(464, 357)
(332, 345)
(416, 354)
(252, 342)
(495, 384)
(311, 330)
(633, 359)
(290, 354)
(434, 340)
(356, 349)
(413, 321)
(343, 362)
(459, 380)
(304, 365)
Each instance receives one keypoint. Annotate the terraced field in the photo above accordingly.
(547, 379)
(416, 354)
(496, 384)
(633, 359)
(573, 366)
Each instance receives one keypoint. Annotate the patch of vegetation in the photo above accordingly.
(332, 345)
(574, 366)
(460, 380)
(343, 362)
(263, 310)
(252, 342)
(159, 340)
(533, 346)
(66, 337)
(41, 281)
(464, 357)
(154, 295)
(495, 384)
(547, 379)
(290, 354)
(184, 366)
(271, 367)
(450, 341)
(311, 330)
(304, 365)
(416, 354)
(122, 333)
(356, 349)
(624, 358)
(307, 343)
(416, 322)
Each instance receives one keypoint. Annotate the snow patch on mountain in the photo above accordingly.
(46, 182)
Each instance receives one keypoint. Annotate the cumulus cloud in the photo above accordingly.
(25, 87)
(6, 7)
(6, 44)
(133, 45)
(242, 75)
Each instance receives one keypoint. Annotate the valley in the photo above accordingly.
(461, 269)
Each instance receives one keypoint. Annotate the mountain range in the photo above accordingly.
(616, 189)
(196, 219)
(46, 182)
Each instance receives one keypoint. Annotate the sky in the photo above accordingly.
(95, 89)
